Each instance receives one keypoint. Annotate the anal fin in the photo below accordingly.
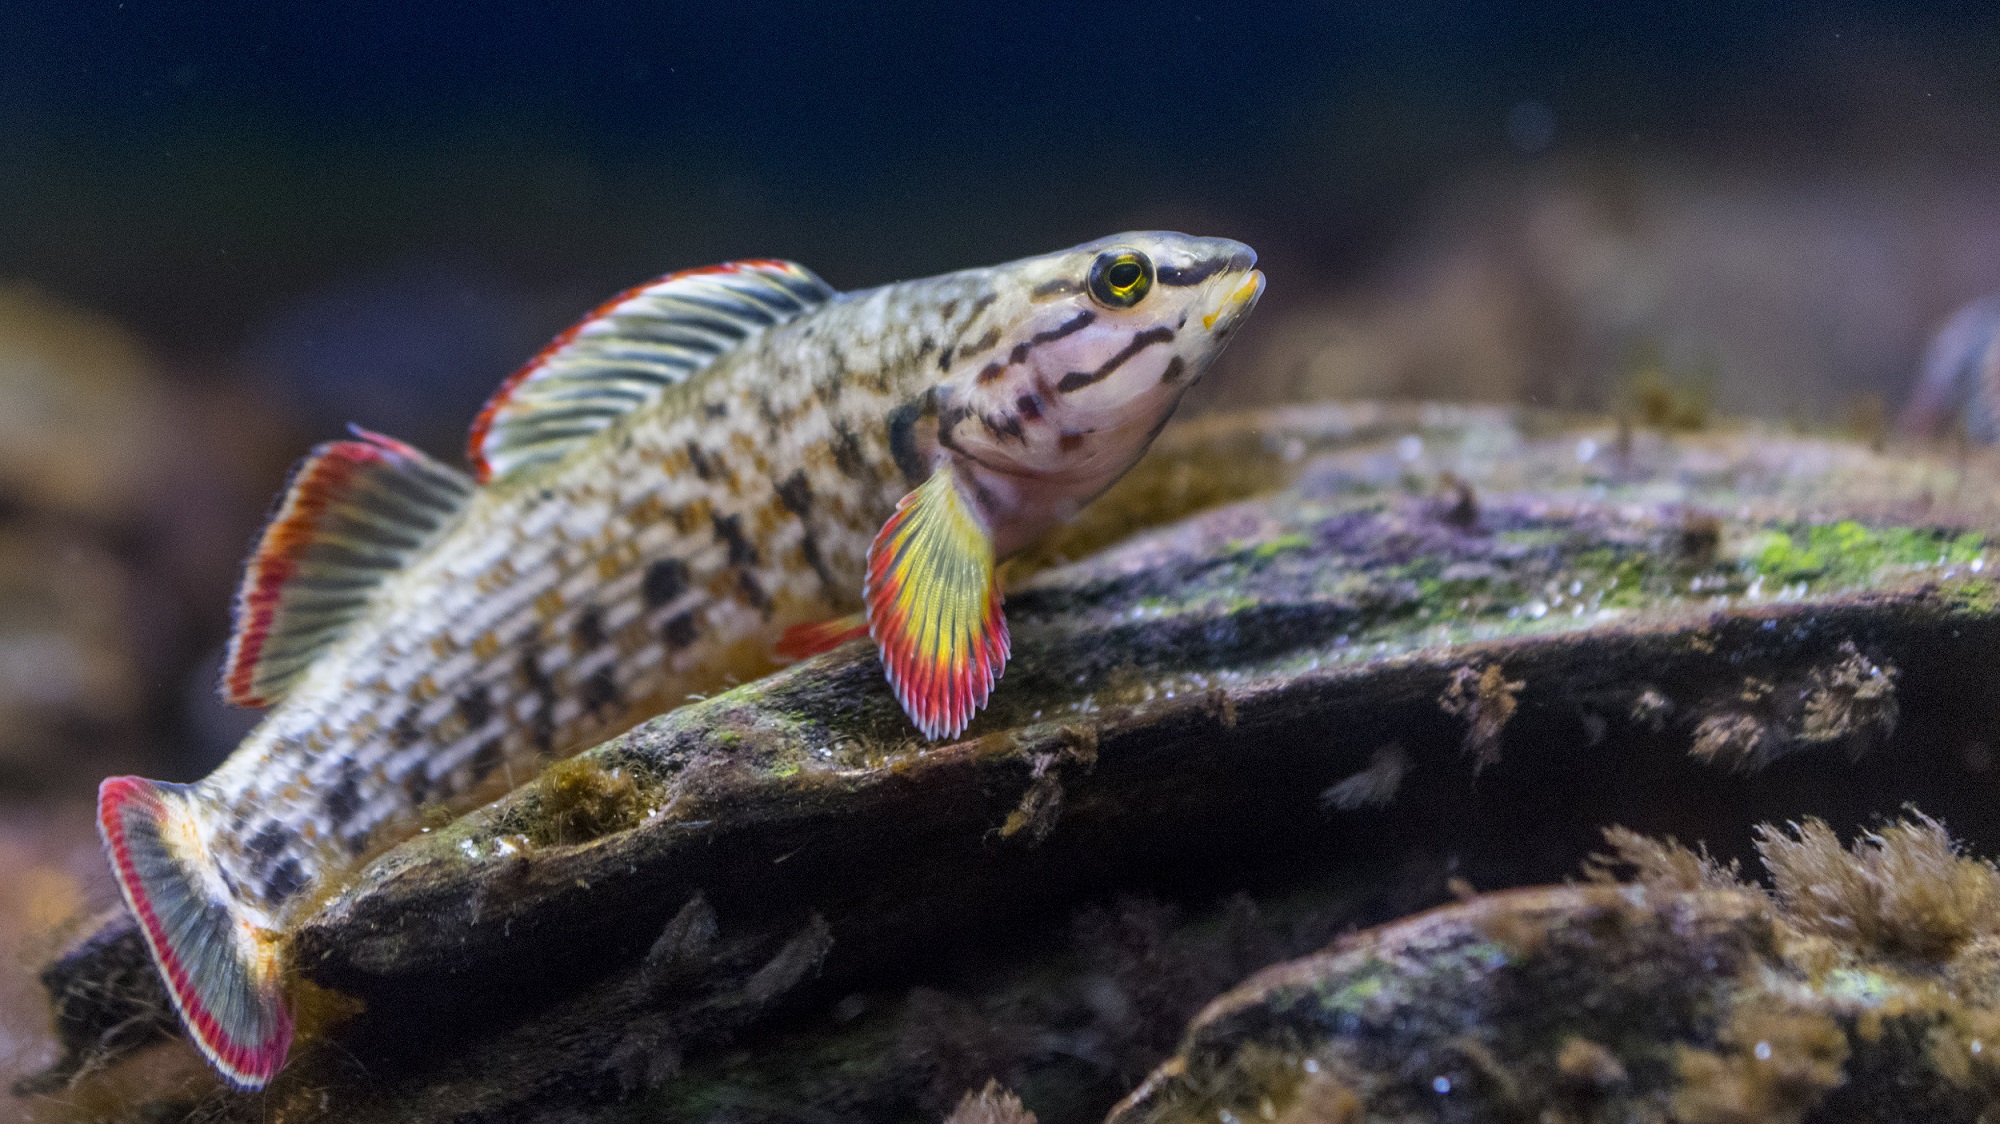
(933, 601)
(354, 513)
(223, 979)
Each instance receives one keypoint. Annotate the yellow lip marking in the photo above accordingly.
(1250, 287)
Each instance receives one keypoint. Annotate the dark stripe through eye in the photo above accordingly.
(1181, 276)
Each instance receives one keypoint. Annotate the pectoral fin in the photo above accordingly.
(804, 641)
(934, 607)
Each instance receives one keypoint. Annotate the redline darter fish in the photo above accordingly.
(708, 466)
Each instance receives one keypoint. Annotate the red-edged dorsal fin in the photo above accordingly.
(220, 969)
(354, 513)
(804, 641)
(934, 607)
(635, 345)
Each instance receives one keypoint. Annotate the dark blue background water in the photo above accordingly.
(192, 167)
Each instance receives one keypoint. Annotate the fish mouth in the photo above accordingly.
(1238, 294)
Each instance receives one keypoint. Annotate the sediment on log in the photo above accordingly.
(1512, 630)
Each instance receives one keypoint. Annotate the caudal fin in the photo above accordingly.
(222, 977)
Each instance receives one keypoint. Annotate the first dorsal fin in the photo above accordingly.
(354, 513)
(624, 354)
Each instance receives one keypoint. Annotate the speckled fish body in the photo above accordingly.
(601, 577)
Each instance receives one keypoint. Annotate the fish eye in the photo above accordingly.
(1120, 278)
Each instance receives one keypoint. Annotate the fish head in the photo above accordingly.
(1096, 346)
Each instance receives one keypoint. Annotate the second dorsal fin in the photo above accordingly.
(624, 354)
(354, 513)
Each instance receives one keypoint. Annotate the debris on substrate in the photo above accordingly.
(779, 898)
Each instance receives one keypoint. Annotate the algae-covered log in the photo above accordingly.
(1862, 991)
(1511, 630)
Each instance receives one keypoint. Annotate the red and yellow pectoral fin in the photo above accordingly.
(934, 607)
(803, 641)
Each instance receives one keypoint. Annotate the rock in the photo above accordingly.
(78, 418)
(1565, 617)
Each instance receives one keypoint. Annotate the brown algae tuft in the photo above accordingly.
(1852, 695)
(1485, 698)
(1904, 891)
(1661, 864)
(1742, 741)
(1774, 1066)
(583, 799)
(991, 1105)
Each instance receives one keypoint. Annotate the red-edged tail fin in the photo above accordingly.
(934, 607)
(223, 978)
(803, 641)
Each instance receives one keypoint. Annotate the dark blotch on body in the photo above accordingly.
(486, 759)
(600, 690)
(587, 634)
(679, 631)
(406, 733)
(903, 437)
(271, 840)
(533, 678)
(753, 592)
(795, 492)
(665, 580)
(542, 725)
(698, 460)
(344, 798)
(809, 547)
(475, 707)
(729, 529)
(286, 879)
(847, 455)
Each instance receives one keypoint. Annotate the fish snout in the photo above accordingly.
(1230, 297)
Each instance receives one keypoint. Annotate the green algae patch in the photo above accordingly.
(1849, 553)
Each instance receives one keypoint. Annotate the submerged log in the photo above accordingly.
(1449, 632)
(1864, 992)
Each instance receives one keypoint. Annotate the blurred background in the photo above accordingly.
(226, 230)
